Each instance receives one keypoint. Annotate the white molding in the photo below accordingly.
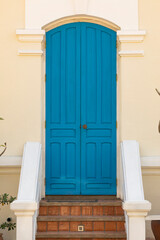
(30, 35)
(10, 161)
(134, 53)
(30, 52)
(150, 166)
(10, 165)
(131, 36)
(153, 217)
(151, 161)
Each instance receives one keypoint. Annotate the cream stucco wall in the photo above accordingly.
(21, 98)
(140, 104)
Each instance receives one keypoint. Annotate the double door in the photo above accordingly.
(81, 110)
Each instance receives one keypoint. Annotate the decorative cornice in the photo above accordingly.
(131, 36)
(133, 53)
(28, 35)
(36, 36)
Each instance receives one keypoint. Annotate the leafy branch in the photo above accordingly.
(157, 91)
(9, 226)
(5, 147)
(5, 199)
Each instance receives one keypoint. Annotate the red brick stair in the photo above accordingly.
(101, 218)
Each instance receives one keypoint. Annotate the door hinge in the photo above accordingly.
(45, 123)
(45, 77)
(116, 181)
(116, 124)
(45, 181)
(116, 77)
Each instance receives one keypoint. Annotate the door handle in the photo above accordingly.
(84, 126)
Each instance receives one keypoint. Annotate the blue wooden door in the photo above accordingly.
(81, 110)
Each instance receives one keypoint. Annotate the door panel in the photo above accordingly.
(98, 110)
(81, 89)
(63, 110)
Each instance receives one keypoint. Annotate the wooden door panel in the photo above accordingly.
(98, 110)
(63, 110)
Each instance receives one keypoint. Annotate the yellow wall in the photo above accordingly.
(20, 97)
(140, 104)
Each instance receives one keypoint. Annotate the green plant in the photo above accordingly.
(5, 199)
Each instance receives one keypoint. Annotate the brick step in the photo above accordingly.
(102, 219)
(81, 235)
(76, 209)
(80, 218)
(73, 226)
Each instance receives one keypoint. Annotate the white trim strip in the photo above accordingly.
(28, 35)
(150, 166)
(131, 36)
(10, 161)
(30, 52)
(10, 165)
(153, 217)
(150, 162)
(134, 53)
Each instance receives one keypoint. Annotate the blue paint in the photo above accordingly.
(81, 89)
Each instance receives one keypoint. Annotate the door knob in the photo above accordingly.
(84, 126)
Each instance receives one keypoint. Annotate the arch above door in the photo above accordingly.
(80, 18)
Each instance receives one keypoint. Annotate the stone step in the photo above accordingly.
(80, 218)
(97, 202)
(79, 197)
(81, 235)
